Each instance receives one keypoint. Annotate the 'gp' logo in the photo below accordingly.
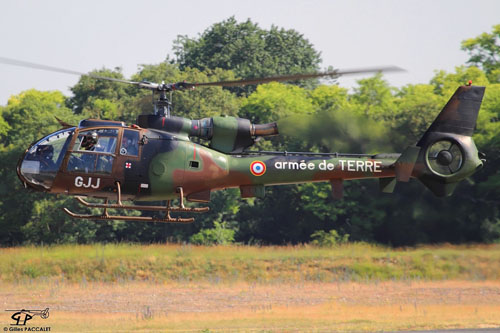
(79, 182)
(21, 318)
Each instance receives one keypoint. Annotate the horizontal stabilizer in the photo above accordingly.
(405, 163)
(387, 185)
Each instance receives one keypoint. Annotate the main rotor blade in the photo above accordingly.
(27, 64)
(293, 77)
(184, 85)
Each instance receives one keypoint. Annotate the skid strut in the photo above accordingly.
(119, 205)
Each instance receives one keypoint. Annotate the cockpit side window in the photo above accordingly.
(101, 140)
(42, 161)
(49, 151)
(93, 151)
(130, 143)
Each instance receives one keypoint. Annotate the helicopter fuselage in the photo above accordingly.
(156, 163)
(106, 159)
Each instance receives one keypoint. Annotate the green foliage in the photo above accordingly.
(102, 109)
(248, 50)
(374, 118)
(32, 114)
(328, 239)
(88, 90)
(274, 101)
(484, 52)
(416, 108)
(4, 127)
(445, 83)
(195, 104)
(218, 235)
(373, 97)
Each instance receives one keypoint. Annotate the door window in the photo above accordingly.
(93, 151)
(90, 163)
(130, 143)
(101, 140)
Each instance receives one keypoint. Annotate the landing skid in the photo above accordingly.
(119, 205)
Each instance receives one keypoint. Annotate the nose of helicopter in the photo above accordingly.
(39, 165)
(35, 173)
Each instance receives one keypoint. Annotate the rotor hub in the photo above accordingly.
(444, 157)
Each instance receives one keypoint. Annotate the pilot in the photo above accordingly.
(46, 153)
(89, 141)
(129, 146)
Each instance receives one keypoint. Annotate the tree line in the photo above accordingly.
(372, 118)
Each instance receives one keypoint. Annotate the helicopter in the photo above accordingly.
(157, 159)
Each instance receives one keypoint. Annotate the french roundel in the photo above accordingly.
(257, 168)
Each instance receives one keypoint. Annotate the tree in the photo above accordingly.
(484, 52)
(416, 107)
(373, 97)
(87, 90)
(30, 115)
(248, 50)
(198, 103)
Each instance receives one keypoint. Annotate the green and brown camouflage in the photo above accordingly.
(162, 159)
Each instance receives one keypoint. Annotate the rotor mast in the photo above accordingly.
(162, 106)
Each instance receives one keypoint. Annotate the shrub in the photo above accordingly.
(328, 239)
(216, 235)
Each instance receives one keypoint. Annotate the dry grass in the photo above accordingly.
(142, 306)
(355, 287)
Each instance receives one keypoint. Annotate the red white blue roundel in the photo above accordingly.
(257, 168)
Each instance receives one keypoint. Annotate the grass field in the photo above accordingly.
(125, 287)
(180, 263)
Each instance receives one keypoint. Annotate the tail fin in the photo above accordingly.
(460, 113)
(447, 152)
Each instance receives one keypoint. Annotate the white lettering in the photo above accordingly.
(88, 184)
(97, 183)
(78, 181)
(369, 166)
(344, 165)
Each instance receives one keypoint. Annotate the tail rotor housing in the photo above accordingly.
(448, 153)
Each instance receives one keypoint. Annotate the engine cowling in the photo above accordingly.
(226, 134)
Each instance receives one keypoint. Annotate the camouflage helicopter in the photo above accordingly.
(155, 159)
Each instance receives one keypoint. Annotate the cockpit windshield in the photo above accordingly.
(42, 161)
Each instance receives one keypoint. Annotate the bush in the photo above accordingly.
(328, 239)
(217, 235)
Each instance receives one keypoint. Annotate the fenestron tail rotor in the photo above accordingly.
(445, 157)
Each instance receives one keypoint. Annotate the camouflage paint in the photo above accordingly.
(169, 160)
